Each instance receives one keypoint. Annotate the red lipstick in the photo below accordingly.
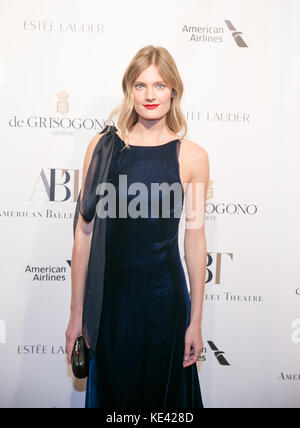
(151, 106)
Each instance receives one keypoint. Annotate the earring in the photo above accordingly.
(173, 93)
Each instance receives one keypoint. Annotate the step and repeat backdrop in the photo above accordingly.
(61, 65)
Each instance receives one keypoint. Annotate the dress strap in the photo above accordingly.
(178, 145)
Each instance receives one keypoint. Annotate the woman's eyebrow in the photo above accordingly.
(158, 81)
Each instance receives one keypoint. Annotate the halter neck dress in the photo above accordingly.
(138, 361)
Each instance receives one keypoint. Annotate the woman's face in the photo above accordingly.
(150, 88)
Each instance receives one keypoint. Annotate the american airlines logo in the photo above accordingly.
(212, 34)
(236, 35)
(218, 354)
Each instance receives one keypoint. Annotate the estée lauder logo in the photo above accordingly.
(236, 35)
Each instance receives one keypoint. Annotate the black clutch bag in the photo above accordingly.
(80, 359)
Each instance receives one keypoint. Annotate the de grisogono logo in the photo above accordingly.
(212, 208)
(62, 104)
(61, 124)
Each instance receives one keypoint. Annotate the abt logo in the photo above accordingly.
(295, 336)
(2, 331)
(54, 188)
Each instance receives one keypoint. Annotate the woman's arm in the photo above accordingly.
(195, 255)
(195, 248)
(79, 265)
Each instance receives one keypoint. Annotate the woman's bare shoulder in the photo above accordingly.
(90, 149)
(92, 145)
(94, 141)
(193, 150)
(195, 162)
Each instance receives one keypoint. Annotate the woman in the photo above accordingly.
(150, 331)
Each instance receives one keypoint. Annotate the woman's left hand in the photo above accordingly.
(193, 340)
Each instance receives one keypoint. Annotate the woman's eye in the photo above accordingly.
(138, 85)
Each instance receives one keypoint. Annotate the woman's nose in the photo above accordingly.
(150, 94)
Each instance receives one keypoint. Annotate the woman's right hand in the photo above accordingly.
(73, 331)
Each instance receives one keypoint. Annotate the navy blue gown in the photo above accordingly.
(138, 361)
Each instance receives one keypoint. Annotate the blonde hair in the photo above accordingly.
(127, 116)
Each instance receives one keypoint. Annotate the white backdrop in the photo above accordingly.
(61, 65)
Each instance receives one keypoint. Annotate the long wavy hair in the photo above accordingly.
(125, 115)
